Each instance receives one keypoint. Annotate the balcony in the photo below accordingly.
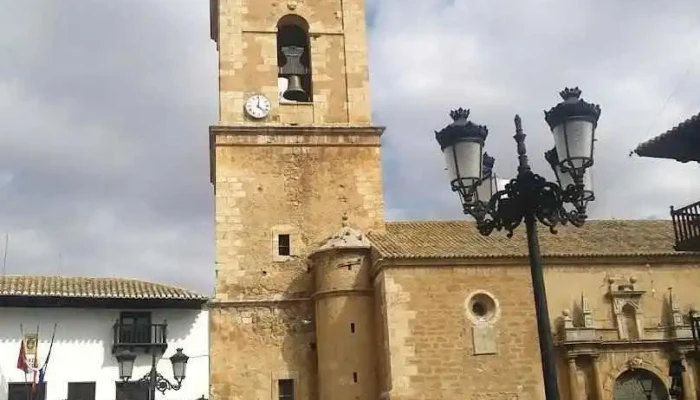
(686, 227)
(145, 336)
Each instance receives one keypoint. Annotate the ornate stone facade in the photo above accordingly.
(322, 308)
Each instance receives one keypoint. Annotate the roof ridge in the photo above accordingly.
(84, 286)
(465, 221)
(461, 239)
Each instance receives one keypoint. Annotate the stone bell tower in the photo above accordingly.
(293, 150)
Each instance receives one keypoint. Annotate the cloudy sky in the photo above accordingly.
(105, 106)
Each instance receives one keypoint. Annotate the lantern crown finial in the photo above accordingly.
(570, 93)
(573, 106)
(488, 161)
(461, 128)
(552, 157)
(459, 113)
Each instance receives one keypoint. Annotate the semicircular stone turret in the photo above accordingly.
(344, 305)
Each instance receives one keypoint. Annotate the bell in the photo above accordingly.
(294, 90)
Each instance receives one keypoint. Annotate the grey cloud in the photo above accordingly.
(104, 135)
(499, 61)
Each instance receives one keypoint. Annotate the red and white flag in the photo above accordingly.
(22, 359)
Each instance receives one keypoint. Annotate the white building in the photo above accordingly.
(94, 319)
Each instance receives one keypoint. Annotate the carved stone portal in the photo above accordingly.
(627, 308)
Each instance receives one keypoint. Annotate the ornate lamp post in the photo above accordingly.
(675, 372)
(154, 379)
(528, 197)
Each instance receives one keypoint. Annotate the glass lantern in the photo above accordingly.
(462, 143)
(489, 181)
(126, 359)
(566, 178)
(573, 123)
(179, 361)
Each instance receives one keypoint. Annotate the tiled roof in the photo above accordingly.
(92, 288)
(460, 239)
(681, 143)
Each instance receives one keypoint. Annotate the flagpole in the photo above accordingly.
(4, 261)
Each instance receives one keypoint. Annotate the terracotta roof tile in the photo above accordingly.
(460, 239)
(679, 143)
(97, 288)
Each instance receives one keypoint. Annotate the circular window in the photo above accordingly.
(479, 309)
(482, 307)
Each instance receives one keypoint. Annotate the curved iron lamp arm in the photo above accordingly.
(162, 384)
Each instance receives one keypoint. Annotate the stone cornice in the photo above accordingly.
(342, 292)
(214, 303)
(296, 130)
(550, 261)
(595, 347)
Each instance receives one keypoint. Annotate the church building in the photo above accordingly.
(319, 298)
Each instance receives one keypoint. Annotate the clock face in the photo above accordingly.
(258, 106)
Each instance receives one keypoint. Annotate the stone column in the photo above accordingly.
(597, 377)
(573, 380)
(688, 379)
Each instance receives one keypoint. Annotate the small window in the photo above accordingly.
(352, 327)
(285, 389)
(81, 390)
(354, 377)
(283, 245)
(23, 391)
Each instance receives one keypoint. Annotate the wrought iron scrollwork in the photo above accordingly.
(162, 384)
(528, 192)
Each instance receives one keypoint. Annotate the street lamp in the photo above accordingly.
(676, 370)
(154, 379)
(528, 197)
(646, 384)
(695, 327)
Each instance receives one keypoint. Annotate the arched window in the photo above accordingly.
(294, 59)
(629, 316)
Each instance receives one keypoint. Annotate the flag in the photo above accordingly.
(42, 370)
(22, 359)
(34, 369)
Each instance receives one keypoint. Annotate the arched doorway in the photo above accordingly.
(639, 384)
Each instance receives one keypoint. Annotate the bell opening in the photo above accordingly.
(294, 59)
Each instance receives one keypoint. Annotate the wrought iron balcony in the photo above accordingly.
(686, 227)
(146, 336)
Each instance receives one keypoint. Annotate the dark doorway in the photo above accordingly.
(23, 391)
(81, 390)
(640, 384)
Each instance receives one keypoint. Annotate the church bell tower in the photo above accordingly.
(293, 151)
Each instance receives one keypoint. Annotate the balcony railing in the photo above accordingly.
(686, 227)
(139, 335)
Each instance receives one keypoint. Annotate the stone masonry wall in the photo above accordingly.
(279, 187)
(430, 336)
(433, 334)
(254, 346)
(248, 60)
(293, 182)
